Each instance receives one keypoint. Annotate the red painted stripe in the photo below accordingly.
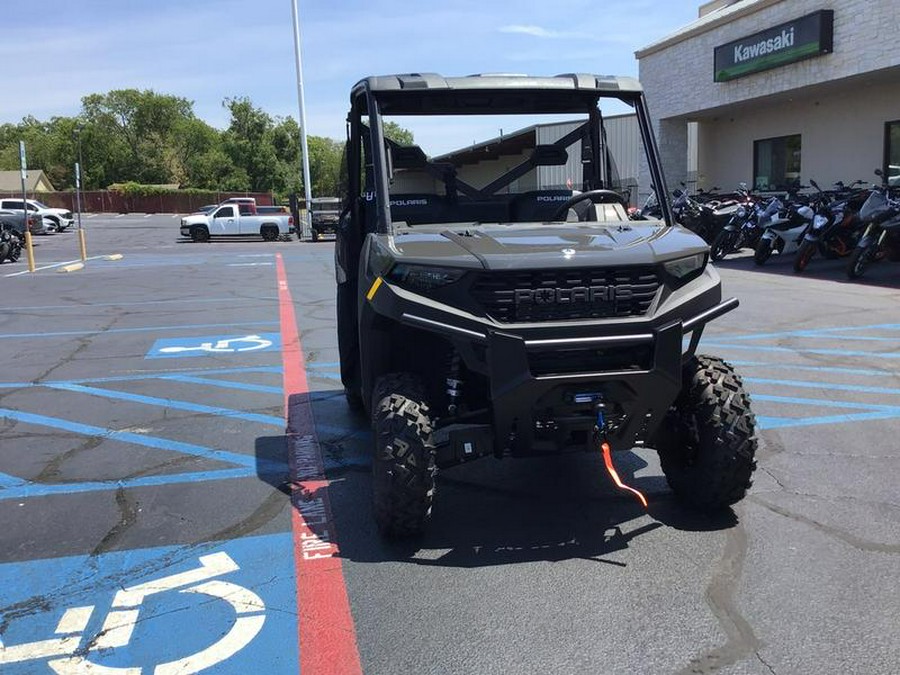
(325, 625)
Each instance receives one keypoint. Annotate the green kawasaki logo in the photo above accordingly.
(810, 35)
(742, 52)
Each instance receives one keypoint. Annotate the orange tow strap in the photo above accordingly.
(607, 459)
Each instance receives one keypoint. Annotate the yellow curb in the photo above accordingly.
(114, 256)
(71, 268)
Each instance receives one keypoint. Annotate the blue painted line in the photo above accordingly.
(29, 490)
(171, 403)
(815, 369)
(322, 364)
(804, 350)
(784, 422)
(14, 309)
(163, 373)
(801, 384)
(225, 384)
(8, 482)
(130, 437)
(824, 403)
(145, 329)
(807, 332)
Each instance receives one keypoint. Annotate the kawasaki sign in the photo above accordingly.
(802, 38)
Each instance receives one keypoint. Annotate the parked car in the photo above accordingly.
(15, 219)
(326, 212)
(228, 220)
(55, 219)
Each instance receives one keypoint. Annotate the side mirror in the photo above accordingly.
(879, 172)
(814, 184)
(677, 193)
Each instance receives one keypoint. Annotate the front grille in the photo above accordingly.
(590, 360)
(560, 295)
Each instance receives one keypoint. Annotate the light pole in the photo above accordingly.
(295, 15)
(78, 167)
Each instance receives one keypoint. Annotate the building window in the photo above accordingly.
(776, 163)
(892, 152)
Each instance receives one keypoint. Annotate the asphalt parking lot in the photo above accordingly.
(182, 488)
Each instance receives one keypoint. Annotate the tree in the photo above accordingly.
(129, 135)
(398, 134)
(138, 128)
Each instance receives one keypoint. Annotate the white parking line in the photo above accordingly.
(67, 262)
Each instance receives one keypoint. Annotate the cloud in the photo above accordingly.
(539, 32)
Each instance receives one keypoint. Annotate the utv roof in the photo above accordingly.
(430, 93)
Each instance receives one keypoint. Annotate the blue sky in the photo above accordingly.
(57, 51)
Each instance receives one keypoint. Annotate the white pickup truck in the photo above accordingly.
(228, 220)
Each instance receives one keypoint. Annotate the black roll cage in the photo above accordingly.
(376, 147)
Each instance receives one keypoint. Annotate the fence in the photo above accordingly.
(107, 201)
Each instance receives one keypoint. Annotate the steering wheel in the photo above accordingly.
(595, 197)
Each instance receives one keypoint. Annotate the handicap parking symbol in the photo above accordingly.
(213, 623)
(212, 345)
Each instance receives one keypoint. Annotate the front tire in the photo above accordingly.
(763, 251)
(859, 262)
(707, 442)
(269, 233)
(199, 234)
(403, 467)
(804, 254)
(721, 246)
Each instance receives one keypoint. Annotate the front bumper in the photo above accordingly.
(554, 375)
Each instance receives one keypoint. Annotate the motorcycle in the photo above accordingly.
(881, 214)
(784, 234)
(836, 227)
(705, 219)
(744, 227)
(10, 245)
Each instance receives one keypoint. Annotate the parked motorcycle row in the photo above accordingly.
(853, 221)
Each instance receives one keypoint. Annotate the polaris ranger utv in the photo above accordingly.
(496, 300)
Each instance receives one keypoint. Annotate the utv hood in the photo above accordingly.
(504, 247)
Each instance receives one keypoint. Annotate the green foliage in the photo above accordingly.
(139, 139)
(397, 133)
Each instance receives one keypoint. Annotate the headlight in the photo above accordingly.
(819, 222)
(685, 268)
(419, 278)
(741, 212)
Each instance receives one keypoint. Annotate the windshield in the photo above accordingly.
(506, 168)
(38, 204)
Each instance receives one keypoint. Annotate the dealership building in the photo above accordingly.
(777, 92)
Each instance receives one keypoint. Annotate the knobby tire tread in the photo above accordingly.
(713, 468)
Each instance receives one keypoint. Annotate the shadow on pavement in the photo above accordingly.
(500, 512)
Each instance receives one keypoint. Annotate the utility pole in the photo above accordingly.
(78, 167)
(29, 246)
(295, 14)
